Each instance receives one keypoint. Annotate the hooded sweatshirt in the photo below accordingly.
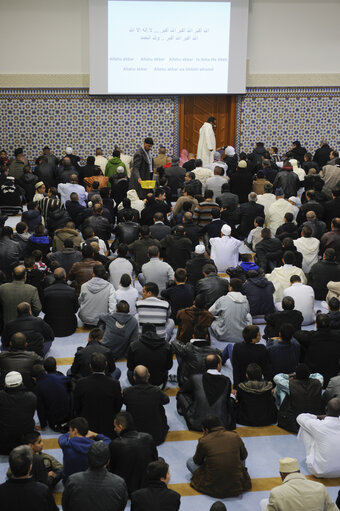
(120, 330)
(309, 248)
(232, 315)
(259, 292)
(75, 452)
(60, 235)
(97, 296)
(111, 167)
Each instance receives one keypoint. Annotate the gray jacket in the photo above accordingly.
(120, 330)
(232, 315)
(94, 489)
(157, 271)
(97, 296)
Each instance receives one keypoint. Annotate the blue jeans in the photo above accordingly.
(46, 347)
(228, 353)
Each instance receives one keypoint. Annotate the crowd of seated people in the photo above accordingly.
(230, 261)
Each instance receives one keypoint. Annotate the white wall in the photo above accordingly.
(285, 37)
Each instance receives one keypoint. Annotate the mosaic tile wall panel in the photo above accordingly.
(277, 116)
(32, 118)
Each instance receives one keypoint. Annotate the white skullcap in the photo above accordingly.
(226, 230)
(199, 249)
(120, 170)
(69, 150)
(13, 379)
(296, 200)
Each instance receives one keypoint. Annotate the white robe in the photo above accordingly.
(206, 144)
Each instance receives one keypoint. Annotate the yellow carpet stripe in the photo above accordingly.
(185, 435)
(69, 360)
(258, 484)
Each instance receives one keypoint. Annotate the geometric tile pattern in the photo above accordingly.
(277, 116)
(32, 118)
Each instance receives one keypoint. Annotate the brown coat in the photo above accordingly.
(221, 473)
(82, 272)
(61, 235)
(186, 322)
(258, 185)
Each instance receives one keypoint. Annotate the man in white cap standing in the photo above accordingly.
(74, 159)
(194, 266)
(296, 492)
(224, 250)
(17, 408)
(207, 142)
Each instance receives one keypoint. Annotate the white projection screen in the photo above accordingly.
(168, 46)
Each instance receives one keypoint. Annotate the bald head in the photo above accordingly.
(18, 341)
(141, 374)
(333, 407)
(19, 272)
(73, 178)
(310, 215)
(24, 308)
(59, 274)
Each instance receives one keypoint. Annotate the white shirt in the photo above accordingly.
(321, 441)
(224, 252)
(65, 190)
(266, 200)
(202, 174)
(276, 213)
(218, 163)
(101, 161)
(215, 184)
(309, 248)
(304, 300)
(130, 295)
(206, 144)
(117, 268)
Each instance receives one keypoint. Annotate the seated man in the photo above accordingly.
(21, 491)
(191, 355)
(225, 250)
(303, 297)
(321, 440)
(218, 464)
(206, 393)
(211, 286)
(280, 277)
(75, 445)
(297, 393)
(81, 363)
(95, 487)
(156, 490)
(120, 329)
(255, 402)
(153, 310)
(288, 315)
(259, 292)
(155, 270)
(284, 350)
(39, 335)
(180, 295)
(153, 351)
(334, 313)
(297, 492)
(231, 314)
(131, 452)
(53, 391)
(146, 403)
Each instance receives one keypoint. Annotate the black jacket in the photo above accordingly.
(321, 351)
(311, 205)
(127, 232)
(268, 254)
(248, 212)
(153, 352)
(194, 268)
(26, 494)
(245, 354)
(212, 287)
(94, 489)
(203, 395)
(66, 257)
(278, 318)
(98, 398)
(57, 219)
(159, 231)
(331, 210)
(131, 453)
(241, 183)
(10, 254)
(82, 358)
(304, 397)
(17, 408)
(100, 225)
(321, 155)
(19, 360)
(155, 497)
(191, 357)
(255, 404)
(54, 399)
(60, 306)
(288, 181)
(146, 403)
(175, 176)
(36, 332)
(179, 297)
(192, 231)
(259, 292)
(178, 250)
(227, 200)
(287, 230)
(319, 276)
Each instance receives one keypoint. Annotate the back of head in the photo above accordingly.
(218, 506)
(98, 455)
(334, 304)
(81, 424)
(333, 407)
(225, 188)
(236, 285)
(289, 256)
(208, 269)
(254, 372)
(210, 422)
(141, 374)
(208, 194)
(125, 420)
(23, 308)
(19, 272)
(306, 231)
(152, 287)
(30, 437)
(122, 250)
(250, 332)
(294, 278)
(21, 227)
(18, 341)
(95, 334)
(145, 231)
(98, 362)
(215, 213)
(288, 303)
(125, 280)
(286, 331)
(212, 361)
(266, 233)
(100, 272)
(153, 251)
(20, 460)
(181, 275)
(157, 470)
(50, 365)
(59, 274)
(123, 307)
(322, 321)
(87, 251)
(198, 162)
(302, 372)
(260, 221)
(289, 217)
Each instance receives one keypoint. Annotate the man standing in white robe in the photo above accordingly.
(207, 142)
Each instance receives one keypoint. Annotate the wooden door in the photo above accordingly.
(195, 110)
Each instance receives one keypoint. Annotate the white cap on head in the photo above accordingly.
(69, 150)
(120, 170)
(13, 379)
(199, 249)
(226, 230)
(296, 200)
